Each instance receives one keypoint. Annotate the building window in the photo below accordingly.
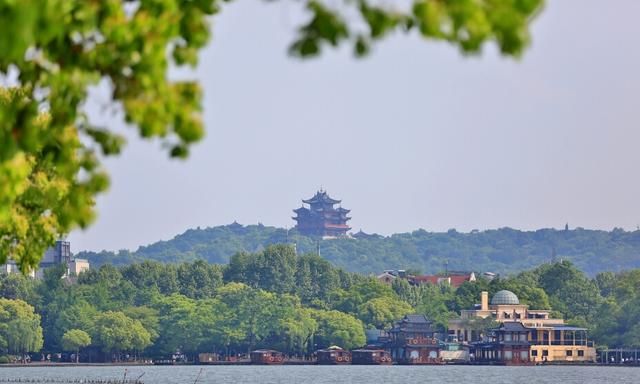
(545, 352)
(580, 353)
(534, 352)
(569, 352)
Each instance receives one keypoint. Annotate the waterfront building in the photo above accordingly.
(550, 339)
(321, 218)
(507, 344)
(414, 340)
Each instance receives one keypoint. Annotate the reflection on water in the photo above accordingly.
(335, 374)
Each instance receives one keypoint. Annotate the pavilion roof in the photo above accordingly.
(321, 197)
(413, 323)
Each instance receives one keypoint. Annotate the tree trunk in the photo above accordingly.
(77, 356)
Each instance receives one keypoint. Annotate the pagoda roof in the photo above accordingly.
(301, 209)
(343, 210)
(321, 197)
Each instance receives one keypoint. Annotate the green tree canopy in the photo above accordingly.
(74, 339)
(381, 312)
(186, 324)
(337, 328)
(20, 329)
(115, 332)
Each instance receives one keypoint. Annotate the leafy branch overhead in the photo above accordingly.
(467, 24)
(54, 51)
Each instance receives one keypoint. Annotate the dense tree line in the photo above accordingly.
(277, 299)
(502, 251)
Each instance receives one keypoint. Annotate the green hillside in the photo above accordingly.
(502, 251)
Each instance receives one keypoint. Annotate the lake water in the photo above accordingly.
(333, 374)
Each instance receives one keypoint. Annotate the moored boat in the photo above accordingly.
(266, 356)
(333, 356)
(367, 356)
(208, 358)
(164, 362)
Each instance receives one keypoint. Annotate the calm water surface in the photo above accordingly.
(335, 374)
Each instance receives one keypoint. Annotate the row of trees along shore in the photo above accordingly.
(277, 299)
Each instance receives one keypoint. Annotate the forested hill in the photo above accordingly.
(501, 251)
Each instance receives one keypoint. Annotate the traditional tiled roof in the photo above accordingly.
(384, 274)
(458, 280)
(322, 219)
(413, 323)
(512, 326)
(427, 279)
(321, 197)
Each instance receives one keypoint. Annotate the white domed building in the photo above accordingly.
(546, 338)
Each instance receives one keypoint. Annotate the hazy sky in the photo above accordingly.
(414, 136)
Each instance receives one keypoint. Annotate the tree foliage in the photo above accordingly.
(50, 171)
(20, 329)
(503, 251)
(74, 340)
(337, 328)
(234, 317)
(115, 332)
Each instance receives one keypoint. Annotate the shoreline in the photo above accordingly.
(297, 363)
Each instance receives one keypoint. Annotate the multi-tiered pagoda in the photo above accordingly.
(321, 218)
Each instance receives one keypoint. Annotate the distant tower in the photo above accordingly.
(566, 227)
(60, 253)
(321, 219)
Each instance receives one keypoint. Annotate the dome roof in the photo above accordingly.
(504, 297)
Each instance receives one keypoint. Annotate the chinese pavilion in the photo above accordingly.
(322, 218)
